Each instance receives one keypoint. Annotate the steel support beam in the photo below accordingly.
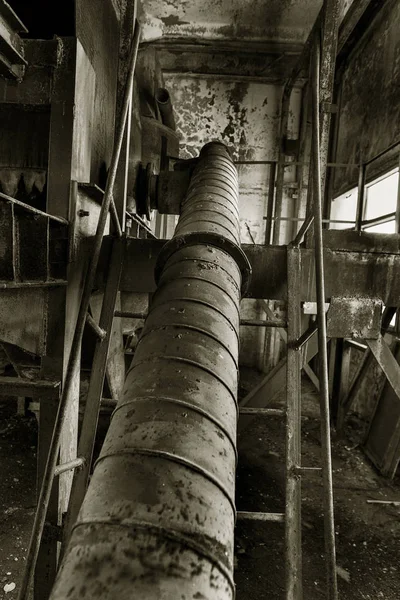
(364, 267)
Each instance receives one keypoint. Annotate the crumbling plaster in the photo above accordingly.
(245, 116)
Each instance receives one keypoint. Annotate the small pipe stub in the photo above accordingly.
(164, 104)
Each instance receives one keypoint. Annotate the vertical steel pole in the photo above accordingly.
(398, 203)
(293, 431)
(361, 195)
(330, 26)
(329, 528)
(270, 203)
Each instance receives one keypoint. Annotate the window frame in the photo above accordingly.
(384, 218)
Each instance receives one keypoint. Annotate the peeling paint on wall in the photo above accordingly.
(245, 116)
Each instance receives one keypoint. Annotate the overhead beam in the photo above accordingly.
(349, 273)
(262, 61)
(36, 388)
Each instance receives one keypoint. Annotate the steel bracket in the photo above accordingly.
(329, 107)
(354, 318)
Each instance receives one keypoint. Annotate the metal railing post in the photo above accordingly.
(293, 578)
(329, 529)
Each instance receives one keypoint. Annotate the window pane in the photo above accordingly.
(344, 208)
(381, 197)
(382, 228)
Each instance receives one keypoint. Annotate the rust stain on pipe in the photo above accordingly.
(158, 519)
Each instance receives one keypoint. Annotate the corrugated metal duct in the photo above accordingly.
(157, 522)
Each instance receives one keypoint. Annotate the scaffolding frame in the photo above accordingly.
(320, 49)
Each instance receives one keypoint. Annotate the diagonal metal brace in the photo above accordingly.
(386, 361)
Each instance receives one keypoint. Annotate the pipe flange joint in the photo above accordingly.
(210, 239)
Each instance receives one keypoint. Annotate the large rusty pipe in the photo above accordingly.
(158, 518)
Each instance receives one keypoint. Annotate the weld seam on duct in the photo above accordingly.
(202, 412)
(206, 211)
(187, 361)
(213, 283)
(215, 192)
(174, 459)
(158, 518)
(174, 536)
(210, 189)
(200, 302)
(225, 182)
(192, 328)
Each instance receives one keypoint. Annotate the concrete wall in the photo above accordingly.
(370, 107)
(97, 29)
(245, 116)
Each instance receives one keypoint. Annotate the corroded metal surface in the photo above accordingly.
(370, 96)
(367, 267)
(282, 20)
(158, 518)
(354, 318)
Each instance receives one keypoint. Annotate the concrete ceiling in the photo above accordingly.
(254, 20)
(257, 39)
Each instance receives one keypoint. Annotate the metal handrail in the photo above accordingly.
(31, 209)
(74, 358)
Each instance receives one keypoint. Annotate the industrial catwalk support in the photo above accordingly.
(158, 519)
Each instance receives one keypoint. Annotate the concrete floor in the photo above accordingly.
(368, 536)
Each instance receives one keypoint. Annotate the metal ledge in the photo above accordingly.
(371, 269)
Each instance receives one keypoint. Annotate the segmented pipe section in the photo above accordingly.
(158, 519)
